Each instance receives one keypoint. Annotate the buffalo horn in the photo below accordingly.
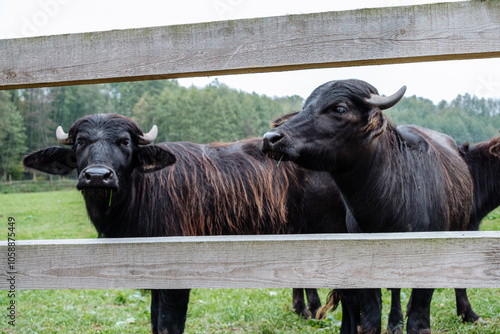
(63, 137)
(385, 102)
(149, 137)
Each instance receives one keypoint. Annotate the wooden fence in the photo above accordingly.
(419, 260)
(462, 30)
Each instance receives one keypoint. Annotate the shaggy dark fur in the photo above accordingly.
(483, 160)
(187, 189)
(392, 179)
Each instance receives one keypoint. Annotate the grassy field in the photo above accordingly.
(61, 214)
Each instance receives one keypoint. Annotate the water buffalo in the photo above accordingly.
(392, 179)
(483, 160)
(134, 189)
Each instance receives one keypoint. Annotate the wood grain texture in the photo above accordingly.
(462, 30)
(418, 260)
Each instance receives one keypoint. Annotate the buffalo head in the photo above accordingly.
(105, 150)
(338, 121)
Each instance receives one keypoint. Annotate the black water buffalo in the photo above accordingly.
(187, 189)
(483, 160)
(392, 179)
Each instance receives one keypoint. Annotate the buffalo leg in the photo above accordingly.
(313, 301)
(299, 304)
(154, 311)
(361, 311)
(464, 309)
(350, 311)
(396, 322)
(168, 311)
(419, 312)
(371, 311)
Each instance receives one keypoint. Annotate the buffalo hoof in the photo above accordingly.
(299, 306)
(302, 312)
(395, 329)
(361, 330)
(470, 316)
(418, 331)
(396, 323)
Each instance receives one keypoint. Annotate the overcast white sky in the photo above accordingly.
(433, 80)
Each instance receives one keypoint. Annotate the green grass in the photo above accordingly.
(491, 222)
(62, 214)
(47, 215)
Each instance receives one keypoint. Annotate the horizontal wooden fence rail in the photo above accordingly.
(419, 260)
(445, 31)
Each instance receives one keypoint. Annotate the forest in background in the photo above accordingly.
(29, 117)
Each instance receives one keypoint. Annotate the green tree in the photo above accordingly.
(142, 112)
(220, 113)
(466, 118)
(12, 137)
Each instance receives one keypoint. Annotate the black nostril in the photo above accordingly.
(272, 136)
(107, 176)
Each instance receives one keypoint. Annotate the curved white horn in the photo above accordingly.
(149, 137)
(63, 137)
(385, 102)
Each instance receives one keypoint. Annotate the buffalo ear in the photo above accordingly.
(377, 123)
(152, 158)
(53, 160)
(282, 119)
(495, 150)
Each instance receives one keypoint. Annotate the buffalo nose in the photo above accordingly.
(98, 176)
(272, 137)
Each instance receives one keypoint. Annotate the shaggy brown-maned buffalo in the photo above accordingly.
(392, 179)
(483, 160)
(187, 189)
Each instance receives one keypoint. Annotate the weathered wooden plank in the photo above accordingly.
(419, 260)
(463, 30)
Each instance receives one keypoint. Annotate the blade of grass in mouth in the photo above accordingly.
(280, 161)
(110, 195)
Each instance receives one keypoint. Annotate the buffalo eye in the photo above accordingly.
(340, 110)
(124, 142)
(336, 109)
(81, 142)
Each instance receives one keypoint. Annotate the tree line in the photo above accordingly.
(29, 117)
(466, 118)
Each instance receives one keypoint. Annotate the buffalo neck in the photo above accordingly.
(362, 183)
(112, 215)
